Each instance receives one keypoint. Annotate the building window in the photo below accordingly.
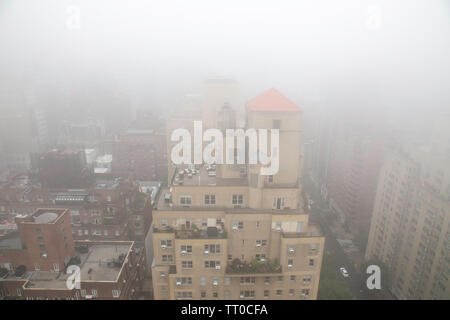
(116, 293)
(83, 292)
(248, 280)
(212, 264)
(203, 294)
(261, 243)
(278, 203)
(238, 199)
(210, 199)
(184, 281)
(299, 226)
(185, 200)
(235, 225)
(307, 278)
(184, 295)
(215, 294)
(291, 292)
(227, 293)
(293, 278)
(186, 264)
(94, 293)
(279, 292)
(212, 248)
(247, 294)
(203, 281)
(270, 178)
(266, 293)
(227, 281)
(56, 267)
(290, 263)
(311, 262)
(186, 249)
(167, 258)
(166, 243)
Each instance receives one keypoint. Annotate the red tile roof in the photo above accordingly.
(271, 100)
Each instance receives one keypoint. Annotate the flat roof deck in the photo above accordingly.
(96, 265)
(204, 179)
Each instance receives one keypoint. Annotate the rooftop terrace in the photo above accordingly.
(102, 262)
(204, 176)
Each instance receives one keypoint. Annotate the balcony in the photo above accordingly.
(194, 233)
(256, 266)
(209, 233)
(163, 230)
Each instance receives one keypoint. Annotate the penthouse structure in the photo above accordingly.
(228, 232)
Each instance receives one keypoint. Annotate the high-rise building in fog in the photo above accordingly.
(410, 226)
(354, 164)
(228, 232)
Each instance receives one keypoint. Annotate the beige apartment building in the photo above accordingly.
(410, 226)
(229, 232)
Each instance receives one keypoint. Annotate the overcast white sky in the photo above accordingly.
(165, 48)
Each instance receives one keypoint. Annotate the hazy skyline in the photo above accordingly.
(157, 51)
